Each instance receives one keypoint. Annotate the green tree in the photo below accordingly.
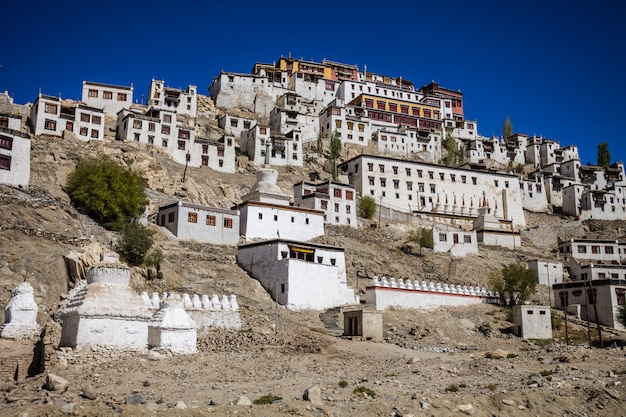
(153, 259)
(423, 237)
(514, 283)
(604, 156)
(366, 207)
(320, 145)
(507, 128)
(134, 242)
(335, 152)
(106, 192)
(454, 154)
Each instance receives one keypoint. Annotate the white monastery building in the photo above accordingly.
(183, 102)
(14, 153)
(455, 241)
(283, 149)
(111, 98)
(204, 224)
(414, 187)
(266, 213)
(52, 116)
(162, 130)
(300, 276)
(337, 200)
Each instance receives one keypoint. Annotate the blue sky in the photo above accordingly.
(558, 70)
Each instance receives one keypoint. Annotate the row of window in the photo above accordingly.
(235, 123)
(88, 118)
(398, 94)
(443, 237)
(210, 219)
(282, 155)
(404, 109)
(595, 249)
(52, 125)
(107, 95)
(308, 256)
(530, 187)
(337, 193)
(419, 172)
(293, 219)
(324, 206)
(338, 124)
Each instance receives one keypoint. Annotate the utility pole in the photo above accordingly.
(187, 159)
(587, 312)
(549, 289)
(595, 309)
(565, 310)
(380, 209)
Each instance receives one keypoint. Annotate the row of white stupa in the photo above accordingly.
(197, 302)
(431, 286)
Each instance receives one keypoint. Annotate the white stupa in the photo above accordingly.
(20, 315)
(105, 311)
(172, 328)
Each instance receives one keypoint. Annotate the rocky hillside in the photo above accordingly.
(414, 372)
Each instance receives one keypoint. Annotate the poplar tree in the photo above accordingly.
(507, 128)
(604, 156)
(335, 152)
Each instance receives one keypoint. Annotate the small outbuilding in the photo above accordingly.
(363, 322)
(532, 322)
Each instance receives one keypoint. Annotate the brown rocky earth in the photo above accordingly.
(431, 363)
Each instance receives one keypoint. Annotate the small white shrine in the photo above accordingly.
(20, 315)
(105, 310)
(172, 328)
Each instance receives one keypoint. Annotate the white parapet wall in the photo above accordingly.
(212, 312)
(389, 292)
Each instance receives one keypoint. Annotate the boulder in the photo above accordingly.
(313, 394)
(56, 383)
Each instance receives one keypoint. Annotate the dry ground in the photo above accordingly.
(430, 363)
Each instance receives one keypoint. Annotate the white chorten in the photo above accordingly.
(106, 311)
(20, 314)
(172, 328)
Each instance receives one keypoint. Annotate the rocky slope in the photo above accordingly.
(431, 363)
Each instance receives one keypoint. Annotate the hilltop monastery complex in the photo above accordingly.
(275, 116)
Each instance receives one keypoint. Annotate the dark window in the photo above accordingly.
(6, 142)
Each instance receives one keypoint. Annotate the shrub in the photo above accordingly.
(452, 388)
(514, 283)
(106, 192)
(546, 372)
(153, 259)
(134, 242)
(364, 391)
(557, 321)
(343, 383)
(366, 207)
(492, 387)
(267, 399)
